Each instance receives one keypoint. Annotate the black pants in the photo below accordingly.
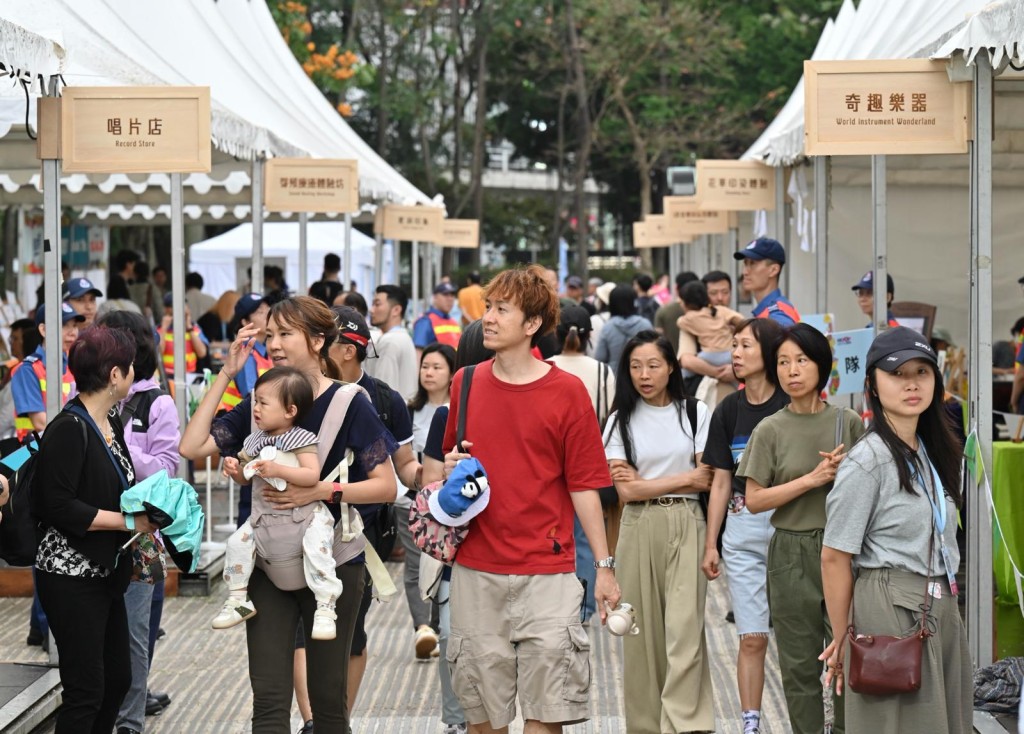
(90, 626)
(270, 637)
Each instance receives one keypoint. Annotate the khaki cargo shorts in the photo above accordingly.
(519, 634)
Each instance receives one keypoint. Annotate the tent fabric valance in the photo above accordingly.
(999, 27)
(27, 56)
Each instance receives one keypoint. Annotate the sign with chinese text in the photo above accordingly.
(849, 361)
(411, 223)
(135, 130)
(460, 233)
(872, 107)
(739, 186)
(686, 217)
(654, 232)
(311, 185)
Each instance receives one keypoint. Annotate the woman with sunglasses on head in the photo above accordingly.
(892, 521)
(653, 452)
(789, 464)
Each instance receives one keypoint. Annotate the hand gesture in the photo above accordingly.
(725, 373)
(710, 564)
(292, 496)
(266, 469)
(832, 655)
(607, 593)
(143, 524)
(622, 471)
(825, 471)
(240, 350)
(233, 470)
(455, 456)
(165, 322)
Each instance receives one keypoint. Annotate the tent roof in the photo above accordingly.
(998, 27)
(279, 238)
(262, 102)
(877, 29)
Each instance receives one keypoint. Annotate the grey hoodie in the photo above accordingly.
(615, 334)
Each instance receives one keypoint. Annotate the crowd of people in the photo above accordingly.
(607, 481)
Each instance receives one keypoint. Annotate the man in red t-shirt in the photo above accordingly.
(515, 598)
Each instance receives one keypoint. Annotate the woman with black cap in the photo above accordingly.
(892, 516)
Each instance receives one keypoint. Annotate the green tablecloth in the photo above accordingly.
(1008, 494)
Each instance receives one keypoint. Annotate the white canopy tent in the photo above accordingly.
(223, 260)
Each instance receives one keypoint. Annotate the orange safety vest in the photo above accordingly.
(23, 423)
(232, 396)
(786, 308)
(168, 353)
(446, 330)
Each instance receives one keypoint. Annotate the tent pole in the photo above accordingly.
(378, 259)
(303, 252)
(778, 228)
(347, 261)
(257, 225)
(737, 270)
(415, 270)
(673, 264)
(178, 308)
(52, 281)
(979, 400)
(879, 231)
(822, 165)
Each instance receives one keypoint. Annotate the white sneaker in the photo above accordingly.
(324, 627)
(234, 612)
(426, 641)
(455, 729)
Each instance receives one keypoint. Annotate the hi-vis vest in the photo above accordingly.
(168, 352)
(446, 330)
(232, 396)
(786, 308)
(23, 423)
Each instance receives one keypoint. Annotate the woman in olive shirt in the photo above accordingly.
(789, 465)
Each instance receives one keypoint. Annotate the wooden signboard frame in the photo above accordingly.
(410, 223)
(314, 185)
(884, 107)
(654, 232)
(742, 186)
(686, 217)
(460, 233)
(135, 130)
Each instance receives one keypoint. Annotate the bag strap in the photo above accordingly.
(839, 427)
(691, 416)
(460, 429)
(87, 419)
(602, 387)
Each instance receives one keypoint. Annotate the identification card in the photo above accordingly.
(950, 571)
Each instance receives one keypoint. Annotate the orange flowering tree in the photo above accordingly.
(330, 67)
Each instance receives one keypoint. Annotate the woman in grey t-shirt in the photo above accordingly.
(895, 497)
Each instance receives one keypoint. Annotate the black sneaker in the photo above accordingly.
(161, 697)
(153, 707)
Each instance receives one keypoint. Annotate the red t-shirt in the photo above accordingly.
(538, 442)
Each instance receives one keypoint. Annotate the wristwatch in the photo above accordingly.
(336, 494)
(608, 562)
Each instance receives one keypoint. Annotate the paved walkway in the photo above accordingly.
(205, 672)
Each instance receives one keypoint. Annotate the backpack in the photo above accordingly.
(440, 542)
(136, 411)
(382, 532)
(19, 528)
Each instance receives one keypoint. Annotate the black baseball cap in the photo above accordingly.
(575, 316)
(352, 326)
(78, 287)
(763, 248)
(867, 282)
(894, 347)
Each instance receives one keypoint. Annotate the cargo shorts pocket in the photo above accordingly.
(577, 670)
(465, 679)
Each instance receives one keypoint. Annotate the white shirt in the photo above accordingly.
(396, 362)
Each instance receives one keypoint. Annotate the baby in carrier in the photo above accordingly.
(277, 454)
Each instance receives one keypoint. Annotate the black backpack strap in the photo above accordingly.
(691, 417)
(131, 408)
(382, 395)
(460, 429)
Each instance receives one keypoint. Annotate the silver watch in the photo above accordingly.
(608, 562)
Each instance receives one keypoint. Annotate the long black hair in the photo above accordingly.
(626, 396)
(934, 431)
(446, 352)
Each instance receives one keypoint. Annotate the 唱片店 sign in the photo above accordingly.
(871, 107)
(735, 186)
(135, 130)
(654, 232)
(418, 223)
(686, 217)
(460, 233)
(311, 185)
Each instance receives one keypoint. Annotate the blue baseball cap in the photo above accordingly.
(247, 304)
(78, 287)
(67, 314)
(867, 282)
(763, 248)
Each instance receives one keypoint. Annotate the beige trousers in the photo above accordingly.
(667, 675)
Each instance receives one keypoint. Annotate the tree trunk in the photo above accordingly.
(585, 142)
(480, 119)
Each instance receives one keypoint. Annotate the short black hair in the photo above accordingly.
(812, 343)
(293, 388)
(716, 276)
(1018, 326)
(695, 295)
(769, 334)
(355, 300)
(145, 342)
(124, 258)
(141, 272)
(474, 277)
(326, 291)
(332, 263)
(30, 336)
(397, 296)
(622, 301)
(193, 280)
(644, 281)
(683, 278)
(158, 269)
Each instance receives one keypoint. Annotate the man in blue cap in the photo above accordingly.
(762, 263)
(865, 290)
(82, 295)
